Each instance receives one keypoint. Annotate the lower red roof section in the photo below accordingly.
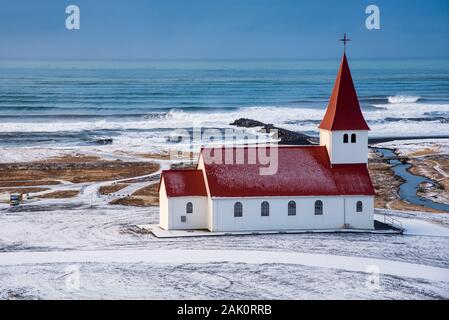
(302, 171)
(183, 183)
(352, 179)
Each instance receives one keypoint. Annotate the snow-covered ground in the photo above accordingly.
(48, 245)
(41, 252)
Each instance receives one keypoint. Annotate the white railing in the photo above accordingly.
(393, 222)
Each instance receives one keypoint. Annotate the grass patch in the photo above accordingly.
(60, 194)
(105, 190)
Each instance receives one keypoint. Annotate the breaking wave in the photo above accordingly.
(403, 99)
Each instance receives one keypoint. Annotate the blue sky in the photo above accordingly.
(226, 29)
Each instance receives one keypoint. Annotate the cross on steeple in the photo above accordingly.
(344, 40)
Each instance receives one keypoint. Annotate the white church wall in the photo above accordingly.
(217, 214)
(215, 219)
(210, 216)
(360, 220)
(210, 204)
(340, 152)
(325, 140)
(305, 218)
(163, 208)
(195, 220)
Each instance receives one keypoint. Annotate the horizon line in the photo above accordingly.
(218, 59)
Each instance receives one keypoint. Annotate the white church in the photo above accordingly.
(315, 187)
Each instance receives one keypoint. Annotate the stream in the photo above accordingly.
(408, 190)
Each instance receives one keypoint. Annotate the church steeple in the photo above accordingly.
(344, 130)
(343, 111)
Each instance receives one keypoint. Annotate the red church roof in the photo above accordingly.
(183, 183)
(343, 111)
(302, 171)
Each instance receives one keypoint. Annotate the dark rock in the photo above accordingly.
(247, 123)
(104, 141)
(286, 137)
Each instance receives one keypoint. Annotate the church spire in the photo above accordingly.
(343, 111)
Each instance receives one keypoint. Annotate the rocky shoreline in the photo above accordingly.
(286, 137)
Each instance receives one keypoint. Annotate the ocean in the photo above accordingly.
(136, 104)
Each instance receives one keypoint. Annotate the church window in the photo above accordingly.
(353, 138)
(238, 209)
(292, 208)
(265, 209)
(189, 207)
(318, 208)
(359, 206)
(345, 138)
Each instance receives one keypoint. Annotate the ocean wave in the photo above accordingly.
(373, 100)
(151, 129)
(370, 107)
(403, 99)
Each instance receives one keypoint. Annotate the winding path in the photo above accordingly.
(179, 256)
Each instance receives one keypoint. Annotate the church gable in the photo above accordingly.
(183, 183)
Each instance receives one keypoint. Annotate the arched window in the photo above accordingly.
(189, 207)
(318, 208)
(238, 209)
(292, 208)
(345, 138)
(359, 206)
(353, 138)
(265, 209)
